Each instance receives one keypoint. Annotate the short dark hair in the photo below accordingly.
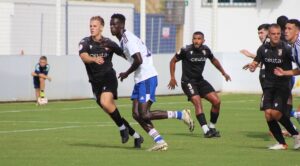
(98, 18)
(198, 33)
(43, 58)
(263, 26)
(295, 22)
(120, 17)
(281, 21)
(274, 25)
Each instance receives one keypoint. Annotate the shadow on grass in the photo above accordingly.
(257, 135)
(99, 145)
(184, 134)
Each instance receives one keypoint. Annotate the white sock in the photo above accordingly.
(205, 129)
(156, 136)
(171, 114)
(122, 127)
(211, 125)
(136, 135)
(297, 114)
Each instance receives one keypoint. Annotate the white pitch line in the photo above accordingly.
(53, 122)
(57, 128)
(119, 105)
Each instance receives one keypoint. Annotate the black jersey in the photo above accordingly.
(193, 61)
(104, 48)
(272, 57)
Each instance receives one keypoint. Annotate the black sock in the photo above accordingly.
(214, 117)
(117, 117)
(289, 109)
(276, 131)
(131, 130)
(286, 122)
(201, 119)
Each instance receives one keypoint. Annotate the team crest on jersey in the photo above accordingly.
(204, 52)
(266, 50)
(91, 46)
(191, 52)
(279, 52)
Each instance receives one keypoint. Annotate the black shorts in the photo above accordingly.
(276, 98)
(201, 88)
(109, 83)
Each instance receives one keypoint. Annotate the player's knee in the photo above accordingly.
(146, 116)
(42, 79)
(216, 103)
(135, 116)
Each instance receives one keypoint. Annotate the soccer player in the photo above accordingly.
(281, 21)
(292, 35)
(193, 84)
(96, 52)
(145, 78)
(276, 90)
(40, 75)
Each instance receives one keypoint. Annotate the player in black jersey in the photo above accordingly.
(276, 90)
(193, 59)
(96, 52)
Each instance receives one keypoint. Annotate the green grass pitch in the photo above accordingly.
(78, 133)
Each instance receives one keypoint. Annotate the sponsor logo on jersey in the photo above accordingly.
(279, 52)
(273, 60)
(142, 98)
(202, 59)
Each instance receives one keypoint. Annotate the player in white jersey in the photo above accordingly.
(292, 35)
(145, 77)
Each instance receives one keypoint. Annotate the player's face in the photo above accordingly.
(274, 35)
(95, 28)
(115, 26)
(291, 32)
(198, 40)
(43, 62)
(262, 34)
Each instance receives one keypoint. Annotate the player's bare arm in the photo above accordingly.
(218, 65)
(173, 81)
(137, 61)
(88, 59)
(247, 53)
(280, 72)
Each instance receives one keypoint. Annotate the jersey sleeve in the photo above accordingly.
(83, 46)
(181, 54)
(115, 47)
(259, 55)
(132, 46)
(37, 69)
(46, 71)
(210, 55)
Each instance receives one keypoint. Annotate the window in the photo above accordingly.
(230, 2)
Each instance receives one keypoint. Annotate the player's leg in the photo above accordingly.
(106, 101)
(141, 114)
(214, 99)
(281, 114)
(42, 87)
(183, 115)
(36, 85)
(275, 130)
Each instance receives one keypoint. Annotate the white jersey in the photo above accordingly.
(131, 44)
(296, 52)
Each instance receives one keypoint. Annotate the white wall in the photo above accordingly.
(29, 26)
(237, 26)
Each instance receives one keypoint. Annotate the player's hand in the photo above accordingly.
(227, 77)
(123, 75)
(246, 67)
(49, 78)
(279, 71)
(99, 60)
(172, 84)
(252, 67)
